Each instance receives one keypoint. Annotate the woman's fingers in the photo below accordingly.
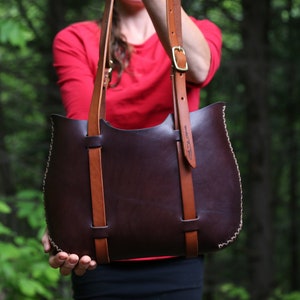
(93, 265)
(69, 264)
(85, 263)
(46, 242)
(56, 261)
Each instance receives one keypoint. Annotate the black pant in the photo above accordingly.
(168, 279)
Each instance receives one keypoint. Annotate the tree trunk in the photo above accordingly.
(292, 151)
(7, 186)
(255, 28)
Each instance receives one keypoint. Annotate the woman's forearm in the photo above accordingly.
(194, 43)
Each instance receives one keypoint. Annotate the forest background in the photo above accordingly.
(259, 80)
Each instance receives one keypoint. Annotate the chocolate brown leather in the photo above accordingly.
(141, 187)
(118, 194)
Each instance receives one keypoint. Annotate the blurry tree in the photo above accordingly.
(255, 77)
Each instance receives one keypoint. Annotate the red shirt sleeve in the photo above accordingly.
(75, 63)
(213, 36)
(134, 103)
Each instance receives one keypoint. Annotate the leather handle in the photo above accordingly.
(180, 67)
(185, 149)
(97, 108)
(97, 111)
(179, 62)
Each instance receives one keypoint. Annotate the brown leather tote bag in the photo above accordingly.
(170, 190)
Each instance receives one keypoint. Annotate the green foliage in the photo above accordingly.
(25, 273)
(279, 295)
(230, 291)
(233, 292)
(14, 33)
(29, 207)
(4, 209)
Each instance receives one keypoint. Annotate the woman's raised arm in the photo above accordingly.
(194, 42)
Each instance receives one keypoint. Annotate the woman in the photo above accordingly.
(140, 96)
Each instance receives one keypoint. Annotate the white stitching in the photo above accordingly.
(49, 155)
(54, 245)
(235, 235)
(45, 178)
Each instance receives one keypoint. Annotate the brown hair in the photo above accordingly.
(120, 50)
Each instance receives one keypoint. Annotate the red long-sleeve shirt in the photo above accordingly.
(143, 97)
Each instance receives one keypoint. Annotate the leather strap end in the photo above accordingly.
(189, 151)
(101, 249)
(191, 241)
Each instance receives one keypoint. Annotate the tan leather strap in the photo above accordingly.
(102, 76)
(97, 111)
(182, 122)
(180, 67)
(186, 157)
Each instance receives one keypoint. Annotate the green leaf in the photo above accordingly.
(30, 208)
(30, 287)
(13, 32)
(42, 269)
(234, 292)
(5, 230)
(8, 251)
(4, 208)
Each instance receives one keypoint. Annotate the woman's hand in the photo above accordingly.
(67, 262)
(195, 45)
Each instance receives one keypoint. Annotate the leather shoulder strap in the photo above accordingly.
(180, 68)
(182, 121)
(95, 154)
(97, 111)
(97, 108)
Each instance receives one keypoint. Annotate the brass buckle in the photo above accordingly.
(108, 71)
(174, 49)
